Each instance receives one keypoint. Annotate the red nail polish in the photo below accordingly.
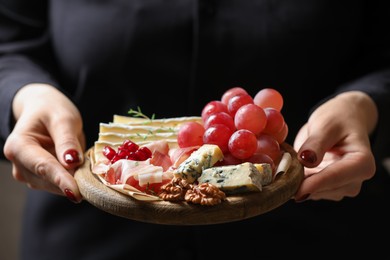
(71, 156)
(70, 195)
(302, 198)
(309, 156)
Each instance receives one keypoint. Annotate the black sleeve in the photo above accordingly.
(370, 73)
(377, 86)
(24, 40)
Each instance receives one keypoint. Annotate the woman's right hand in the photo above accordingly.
(334, 147)
(47, 142)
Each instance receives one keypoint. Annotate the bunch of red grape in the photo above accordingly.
(245, 128)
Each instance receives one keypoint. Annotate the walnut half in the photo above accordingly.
(205, 194)
(175, 190)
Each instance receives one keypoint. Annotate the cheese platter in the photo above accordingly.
(228, 164)
(234, 208)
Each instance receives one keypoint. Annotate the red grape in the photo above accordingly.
(212, 107)
(242, 144)
(282, 134)
(268, 145)
(250, 117)
(190, 134)
(269, 97)
(261, 158)
(220, 118)
(231, 93)
(229, 159)
(238, 101)
(275, 120)
(219, 135)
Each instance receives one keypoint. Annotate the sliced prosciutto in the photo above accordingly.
(145, 176)
(141, 175)
(178, 155)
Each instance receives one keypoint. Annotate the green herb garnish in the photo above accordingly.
(138, 113)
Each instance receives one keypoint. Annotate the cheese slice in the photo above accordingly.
(167, 122)
(233, 179)
(205, 157)
(135, 129)
(138, 137)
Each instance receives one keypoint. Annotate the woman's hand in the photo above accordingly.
(47, 142)
(334, 147)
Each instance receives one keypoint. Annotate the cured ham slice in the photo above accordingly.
(142, 171)
(179, 155)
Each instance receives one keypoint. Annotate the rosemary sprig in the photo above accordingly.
(138, 113)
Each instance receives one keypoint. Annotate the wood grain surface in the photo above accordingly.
(182, 213)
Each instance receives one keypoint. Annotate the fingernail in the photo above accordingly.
(309, 156)
(70, 195)
(71, 156)
(303, 198)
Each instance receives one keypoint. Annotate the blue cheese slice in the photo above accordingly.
(205, 157)
(233, 179)
(265, 171)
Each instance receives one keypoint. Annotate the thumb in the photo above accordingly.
(70, 144)
(316, 139)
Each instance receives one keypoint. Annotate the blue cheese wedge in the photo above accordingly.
(265, 171)
(233, 179)
(205, 157)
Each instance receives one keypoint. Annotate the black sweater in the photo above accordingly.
(170, 58)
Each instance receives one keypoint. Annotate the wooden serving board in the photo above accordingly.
(235, 208)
